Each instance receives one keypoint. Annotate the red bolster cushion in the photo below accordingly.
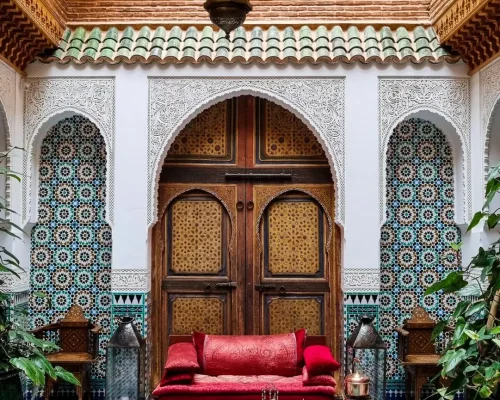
(199, 340)
(250, 355)
(317, 380)
(182, 358)
(319, 360)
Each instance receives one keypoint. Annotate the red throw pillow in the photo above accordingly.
(319, 360)
(199, 342)
(180, 378)
(182, 358)
(317, 380)
(300, 337)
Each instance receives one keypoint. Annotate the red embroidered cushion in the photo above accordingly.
(198, 342)
(182, 357)
(319, 360)
(250, 355)
(300, 337)
(317, 380)
(179, 378)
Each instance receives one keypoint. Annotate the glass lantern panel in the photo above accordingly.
(372, 364)
(122, 377)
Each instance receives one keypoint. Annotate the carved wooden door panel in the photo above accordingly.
(293, 260)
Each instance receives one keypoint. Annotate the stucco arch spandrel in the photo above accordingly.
(318, 102)
(490, 104)
(447, 97)
(48, 100)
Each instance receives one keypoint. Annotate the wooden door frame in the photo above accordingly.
(158, 334)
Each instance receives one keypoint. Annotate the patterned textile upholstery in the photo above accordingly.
(240, 367)
(250, 355)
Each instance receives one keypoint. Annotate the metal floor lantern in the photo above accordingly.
(125, 363)
(366, 355)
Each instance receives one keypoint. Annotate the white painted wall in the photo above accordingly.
(362, 229)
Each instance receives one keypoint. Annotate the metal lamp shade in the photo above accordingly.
(228, 14)
(125, 363)
(369, 348)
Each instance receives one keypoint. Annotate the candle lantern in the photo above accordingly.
(125, 363)
(365, 362)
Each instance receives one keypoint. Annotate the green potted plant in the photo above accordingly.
(471, 358)
(20, 351)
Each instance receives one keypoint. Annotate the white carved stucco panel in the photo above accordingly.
(93, 98)
(361, 281)
(173, 102)
(130, 280)
(490, 100)
(448, 97)
(7, 96)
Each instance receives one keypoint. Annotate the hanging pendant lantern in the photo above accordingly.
(228, 14)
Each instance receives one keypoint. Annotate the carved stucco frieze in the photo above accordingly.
(93, 98)
(130, 280)
(361, 281)
(173, 102)
(12, 284)
(448, 97)
(490, 100)
(7, 96)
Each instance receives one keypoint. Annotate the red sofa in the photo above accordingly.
(210, 367)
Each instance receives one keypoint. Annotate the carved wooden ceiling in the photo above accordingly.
(472, 28)
(31, 27)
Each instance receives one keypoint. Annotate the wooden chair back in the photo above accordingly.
(74, 333)
(415, 335)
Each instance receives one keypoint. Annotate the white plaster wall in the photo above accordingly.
(362, 225)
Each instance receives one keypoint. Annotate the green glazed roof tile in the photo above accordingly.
(176, 45)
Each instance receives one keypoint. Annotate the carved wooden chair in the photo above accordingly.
(77, 350)
(417, 352)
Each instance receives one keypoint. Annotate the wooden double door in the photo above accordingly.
(246, 241)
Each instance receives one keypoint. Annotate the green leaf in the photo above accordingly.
(470, 290)
(461, 307)
(485, 392)
(9, 233)
(475, 220)
(44, 364)
(496, 341)
(496, 330)
(456, 246)
(455, 359)
(489, 372)
(3, 268)
(473, 335)
(30, 369)
(475, 308)
(454, 281)
(471, 368)
(459, 330)
(66, 376)
(438, 329)
(493, 220)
